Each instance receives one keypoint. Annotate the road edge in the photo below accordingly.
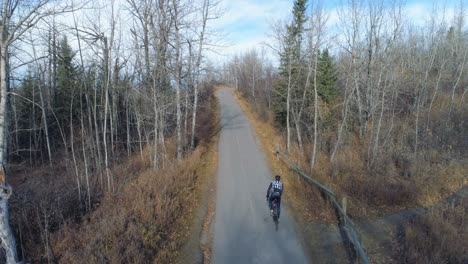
(197, 247)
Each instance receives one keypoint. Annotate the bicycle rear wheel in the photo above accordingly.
(275, 212)
(275, 216)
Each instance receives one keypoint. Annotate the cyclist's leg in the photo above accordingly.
(279, 206)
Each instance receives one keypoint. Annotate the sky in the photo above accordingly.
(246, 24)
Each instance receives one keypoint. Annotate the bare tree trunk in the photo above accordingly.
(6, 235)
(162, 139)
(346, 100)
(452, 97)
(314, 149)
(253, 81)
(43, 110)
(15, 117)
(206, 5)
(288, 107)
(53, 89)
(44, 119)
(436, 89)
(358, 100)
(237, 79)
(78, 184)
(187, 94)
(419, 98)
(178, 68)
(140, 143)
(34, 125)
(85, 158)
(155, 149)
(194, 114)
(317, 22)
(297, 121)
(156, 113)
(374, 137)
(128, 118)
(106, 111)
(186, 117)
(377, 134)
(98, 142)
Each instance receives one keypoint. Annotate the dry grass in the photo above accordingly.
(140, 222)
(398, 178)
(149, 218)
(146, 220)
(206, 245)
(44, 198)
(438, 236)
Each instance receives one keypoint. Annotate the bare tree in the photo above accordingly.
(317, 22)
(17, 18)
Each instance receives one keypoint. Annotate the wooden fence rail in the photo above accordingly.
(353, 236)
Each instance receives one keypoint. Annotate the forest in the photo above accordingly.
(109, 122)
(98, 98)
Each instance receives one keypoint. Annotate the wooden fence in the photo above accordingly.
(348, 225)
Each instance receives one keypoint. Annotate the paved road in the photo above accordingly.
(243, 230)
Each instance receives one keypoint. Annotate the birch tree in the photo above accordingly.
(208, 5)
(317, 25)
(17, 18)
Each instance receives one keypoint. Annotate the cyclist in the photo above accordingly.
(275, 190)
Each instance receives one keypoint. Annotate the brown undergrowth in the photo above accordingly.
(437, 236)
(398, 180)
(146, 220)
(395, 179)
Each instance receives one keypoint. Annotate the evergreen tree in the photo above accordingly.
(327, 77)
(27, 113)
(66, 84)
(291, 62)
(297, 28)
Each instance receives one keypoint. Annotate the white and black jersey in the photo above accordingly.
(275, 186)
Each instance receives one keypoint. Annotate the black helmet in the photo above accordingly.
(277, 177)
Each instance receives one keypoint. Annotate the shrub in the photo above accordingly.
(437, 236)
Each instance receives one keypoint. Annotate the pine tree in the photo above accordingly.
(27, 113)
(297, 28)
(291, 61)
(66, 84)
(327, 77)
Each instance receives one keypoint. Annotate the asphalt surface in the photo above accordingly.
(244, 232)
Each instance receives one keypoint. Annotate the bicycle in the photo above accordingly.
(275, 214)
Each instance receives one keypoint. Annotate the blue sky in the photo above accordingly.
(246, 23)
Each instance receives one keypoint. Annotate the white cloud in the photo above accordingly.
(417, 12)
(420, 13)
(252, 11)
(246, 24)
